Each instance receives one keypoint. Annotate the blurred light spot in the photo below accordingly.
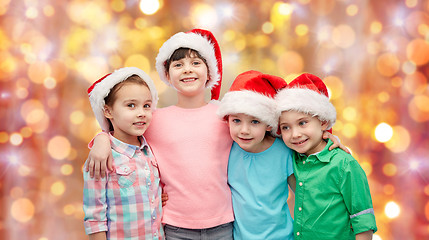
(415, 83)
(22, 210)
(400, 140)
(389, 189)
(324, 33)
(301, 30)
(4, 137)
(48, 10)
(352, 10)
(322, 8)
(69, 209)
(204, 15)
(50, 83)
(117, 5)
(376, 27)
(31, 13)
(427, 211)
(24, 170)
(290, 62)
(390, 169)
(139, 61)
(38, 72)
(366, 166)
(267, 28)
(392, 210)
(349, 130)
(21, 93)
(411, 3)
(418, 108)
(418, 51)
(396, 81)
(335, 86)
(383, 132)
(349, 113)
(58, 188)
(383, 97)
(77, 117)
(376, 237)
(285, 9)
(414, 164)
(26, 132)
(16, 139)
(149, 7)
(373, 48)
(388, 64)
(59, 147)
(66, 169)
(408, 67)
(53, 102)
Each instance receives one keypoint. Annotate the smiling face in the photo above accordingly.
(302, 132)
(188, 74)
(131, 112)
(248, 132)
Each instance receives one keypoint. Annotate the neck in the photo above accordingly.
(191, 101)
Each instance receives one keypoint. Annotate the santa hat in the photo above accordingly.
(101, 88)
(307, 94)
(252, 93)
(205, 44)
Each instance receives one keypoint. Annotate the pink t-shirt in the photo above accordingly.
(192, 148)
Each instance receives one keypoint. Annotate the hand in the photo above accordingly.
(336, 142)
(164, 198)
(99, 157)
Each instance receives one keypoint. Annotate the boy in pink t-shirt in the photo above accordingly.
(189, 141)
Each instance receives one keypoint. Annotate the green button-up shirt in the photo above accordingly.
(332, 197)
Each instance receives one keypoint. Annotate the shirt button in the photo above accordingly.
(300, 208)
(300, 184)
(153, 217)
(297, 233)
(303, 162)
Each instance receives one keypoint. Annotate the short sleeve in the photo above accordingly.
(357, 197)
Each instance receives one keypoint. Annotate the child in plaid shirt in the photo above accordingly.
(126, 204)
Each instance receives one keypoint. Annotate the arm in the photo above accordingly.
(292, 182)
(364, 235)
(336, 142)
(98, 236)
(99, 156)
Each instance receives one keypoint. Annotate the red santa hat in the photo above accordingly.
(307, 94)
(205, 44)
(101, 88)
(252, 93)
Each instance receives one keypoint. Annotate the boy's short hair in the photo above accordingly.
(307, 94)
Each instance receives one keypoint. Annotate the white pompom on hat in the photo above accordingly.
(202, 41)
(101, 88)
(252, 93)
(307, 94)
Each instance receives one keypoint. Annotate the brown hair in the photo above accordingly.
(182, 53)
(111, 97)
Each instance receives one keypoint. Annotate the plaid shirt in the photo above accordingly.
(127, 203)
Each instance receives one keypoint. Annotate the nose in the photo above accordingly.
(187, 68)
(296, 133)
(244, 128)
(141, 112)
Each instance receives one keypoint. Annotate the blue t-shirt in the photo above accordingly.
(259, 190)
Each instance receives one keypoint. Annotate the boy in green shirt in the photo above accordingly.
(332, 197)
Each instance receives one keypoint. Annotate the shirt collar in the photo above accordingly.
(321, 156)
(126, 148)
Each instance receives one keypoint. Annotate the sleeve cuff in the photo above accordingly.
(363, 223)
(95, 226)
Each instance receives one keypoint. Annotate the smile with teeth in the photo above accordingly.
(301, 142)
(139, 123)
(188, 79)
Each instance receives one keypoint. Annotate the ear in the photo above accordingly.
(324, 125)
(107, 112)
(269, 128)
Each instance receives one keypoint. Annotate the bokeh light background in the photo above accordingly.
(372, 54)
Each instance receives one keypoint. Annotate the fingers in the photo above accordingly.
(97, 171)
(110, 162)
(90, 166)
(164, 198)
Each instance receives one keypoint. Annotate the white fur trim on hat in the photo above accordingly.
(250, 103)
(306, 101)
(193, 41)
(102, 89)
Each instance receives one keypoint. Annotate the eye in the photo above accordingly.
(196, 62)
(284, 128)
(131, 105)
(255, 122)
(147, 105)
(235, 120)
(302, 123)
